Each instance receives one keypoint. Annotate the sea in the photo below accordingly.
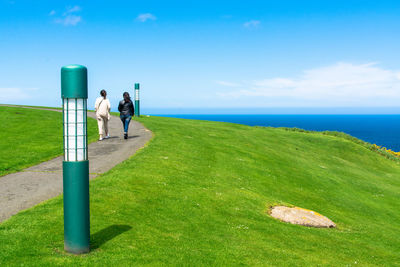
(382, 130)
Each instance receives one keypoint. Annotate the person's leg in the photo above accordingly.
(123, 119)
(127, 121)
(105, 119)
(100, 125)
(126, 126)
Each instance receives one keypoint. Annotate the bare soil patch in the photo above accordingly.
(301, 216)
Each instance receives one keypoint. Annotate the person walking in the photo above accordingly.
(126, 111)
(102, 108)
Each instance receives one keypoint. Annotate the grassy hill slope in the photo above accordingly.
(199, 193)
(31, 136)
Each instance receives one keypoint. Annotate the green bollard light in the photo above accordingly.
(137, 104)
(74, 94)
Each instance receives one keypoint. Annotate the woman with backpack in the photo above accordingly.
(126, 111)
(102, 108)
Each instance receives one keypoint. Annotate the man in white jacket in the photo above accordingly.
(102, 108)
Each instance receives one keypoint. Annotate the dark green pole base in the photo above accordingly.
(76, 206)
(137, 108)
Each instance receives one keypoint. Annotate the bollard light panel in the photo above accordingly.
(137, 93)
(137, 100)
(74, 93)
(75, 129)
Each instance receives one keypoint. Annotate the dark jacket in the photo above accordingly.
(126, 108)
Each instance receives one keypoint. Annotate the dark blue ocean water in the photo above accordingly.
(383, 130)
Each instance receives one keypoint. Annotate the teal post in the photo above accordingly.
(76, 164)
(137, 101)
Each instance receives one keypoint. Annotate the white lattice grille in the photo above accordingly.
(75, 131)
(137, 94)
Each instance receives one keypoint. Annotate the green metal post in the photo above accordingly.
(137, 101)
(75, 164)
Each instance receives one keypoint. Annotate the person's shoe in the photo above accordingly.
(100, 139)
(125, 136)
(107, 136)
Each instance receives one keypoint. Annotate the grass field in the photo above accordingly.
(31, 136)
(199, 193)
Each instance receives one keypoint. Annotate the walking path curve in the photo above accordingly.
(33, 185)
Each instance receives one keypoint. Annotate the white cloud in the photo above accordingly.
(70, 20)
(228, 84)
(252, 24)
(338, 84)
(8, 95)
(72, 9)
(146, 16)
(52, 13)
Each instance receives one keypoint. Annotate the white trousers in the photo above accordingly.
(102, 122)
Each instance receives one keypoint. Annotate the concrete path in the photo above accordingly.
(25, 189)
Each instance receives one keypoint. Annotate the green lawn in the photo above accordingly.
(199, 193)
(31, 136)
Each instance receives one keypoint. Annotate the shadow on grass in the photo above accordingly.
(103, 236)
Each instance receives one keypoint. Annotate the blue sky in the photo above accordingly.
(207, 56)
